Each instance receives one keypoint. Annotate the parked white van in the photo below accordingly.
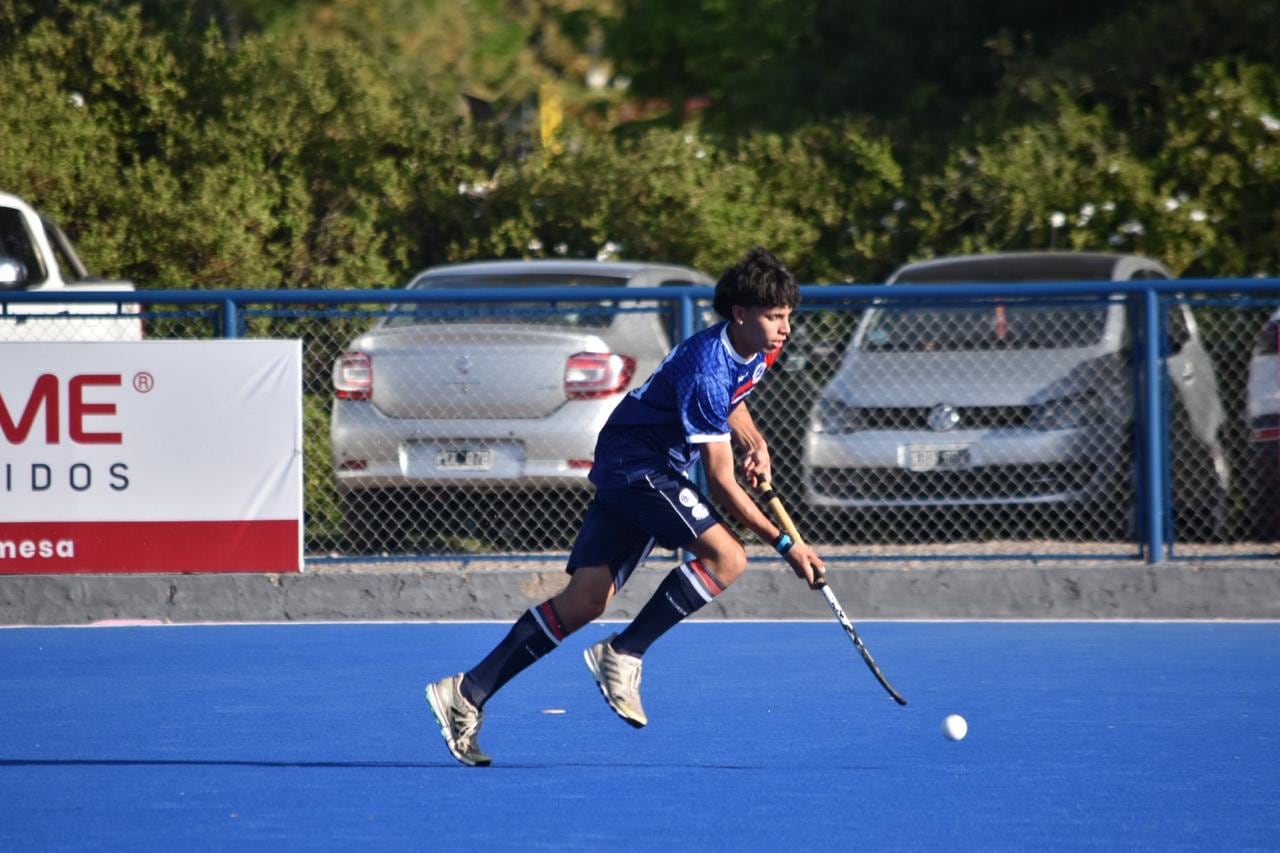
(36, 256)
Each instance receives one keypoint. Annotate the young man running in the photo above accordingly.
(690, 408)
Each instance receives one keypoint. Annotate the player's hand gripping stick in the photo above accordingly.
(820, 582)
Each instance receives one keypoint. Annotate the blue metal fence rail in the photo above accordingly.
(1152, 298)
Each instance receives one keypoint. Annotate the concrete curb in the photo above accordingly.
(1124, 590)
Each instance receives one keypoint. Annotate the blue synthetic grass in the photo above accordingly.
(764, 736)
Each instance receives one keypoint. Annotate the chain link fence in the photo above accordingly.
(974, 427)
(1016, 427)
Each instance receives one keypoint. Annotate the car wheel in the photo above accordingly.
(376, 521)
(532, 520)
(1202, 505)
(830, 526)
(1204, 519)
(1112, 516)
(1262, 516)
(1113, 519)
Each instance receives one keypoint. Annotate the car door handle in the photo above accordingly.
(1188, 372)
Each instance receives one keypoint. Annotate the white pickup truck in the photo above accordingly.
(36, 256)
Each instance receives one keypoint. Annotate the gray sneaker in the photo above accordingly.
(618, 677)
(459, 720)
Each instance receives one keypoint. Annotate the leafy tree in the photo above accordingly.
(495, 53)
(278, 163)
(776, 63)
(1137, 56)
(281, 143)
(678, 196)
(1218, 173)
(1067, 181)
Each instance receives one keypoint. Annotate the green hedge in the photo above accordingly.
(179, 160)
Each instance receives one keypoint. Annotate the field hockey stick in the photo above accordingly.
(780, 513)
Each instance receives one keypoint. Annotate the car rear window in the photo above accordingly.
(998, 326)
(1010, 269)
(592, 314)
(16, 243)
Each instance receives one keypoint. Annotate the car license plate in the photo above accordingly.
(931, 457)
(465, 459)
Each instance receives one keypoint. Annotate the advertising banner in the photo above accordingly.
(153, 456)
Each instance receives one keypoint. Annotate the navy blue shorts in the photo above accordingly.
(623, 523)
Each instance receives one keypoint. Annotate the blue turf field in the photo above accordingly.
(763, 736)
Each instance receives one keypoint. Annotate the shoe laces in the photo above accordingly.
(627, 668)
(466, 721)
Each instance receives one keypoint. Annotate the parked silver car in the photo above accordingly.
(1262, 417)
(1013, 404)
(475, 420)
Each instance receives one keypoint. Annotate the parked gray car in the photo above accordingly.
(1013, 405)
(1262, 418)
(474, 420)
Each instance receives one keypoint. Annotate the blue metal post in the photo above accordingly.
(1153, 422)
(230, 319)
(687, 307)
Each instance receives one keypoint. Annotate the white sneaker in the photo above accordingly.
(459, 720)
(618, 677)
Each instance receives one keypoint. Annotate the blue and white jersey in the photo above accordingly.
(658, 427)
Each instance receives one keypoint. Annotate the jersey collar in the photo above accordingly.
(728, 345)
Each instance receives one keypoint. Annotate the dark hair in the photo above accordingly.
(758, 279)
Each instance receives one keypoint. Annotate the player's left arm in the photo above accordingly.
(755, 450)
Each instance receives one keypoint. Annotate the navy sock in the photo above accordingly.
(536, 633)
(684, 590)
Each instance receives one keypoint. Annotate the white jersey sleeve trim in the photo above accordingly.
(728, 346)
(708, 439)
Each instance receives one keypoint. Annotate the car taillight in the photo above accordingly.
(353, 376)
(1269, 339)
(1265, 428)
(588, 375)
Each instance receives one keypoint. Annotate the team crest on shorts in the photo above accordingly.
(689, 498)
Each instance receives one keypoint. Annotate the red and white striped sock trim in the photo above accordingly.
(549, 621)
(707, 585)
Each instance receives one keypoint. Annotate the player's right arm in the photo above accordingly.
(717, 460)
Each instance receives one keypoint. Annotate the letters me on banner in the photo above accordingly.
(152, 456)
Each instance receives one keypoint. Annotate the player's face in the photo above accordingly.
(760, 329)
